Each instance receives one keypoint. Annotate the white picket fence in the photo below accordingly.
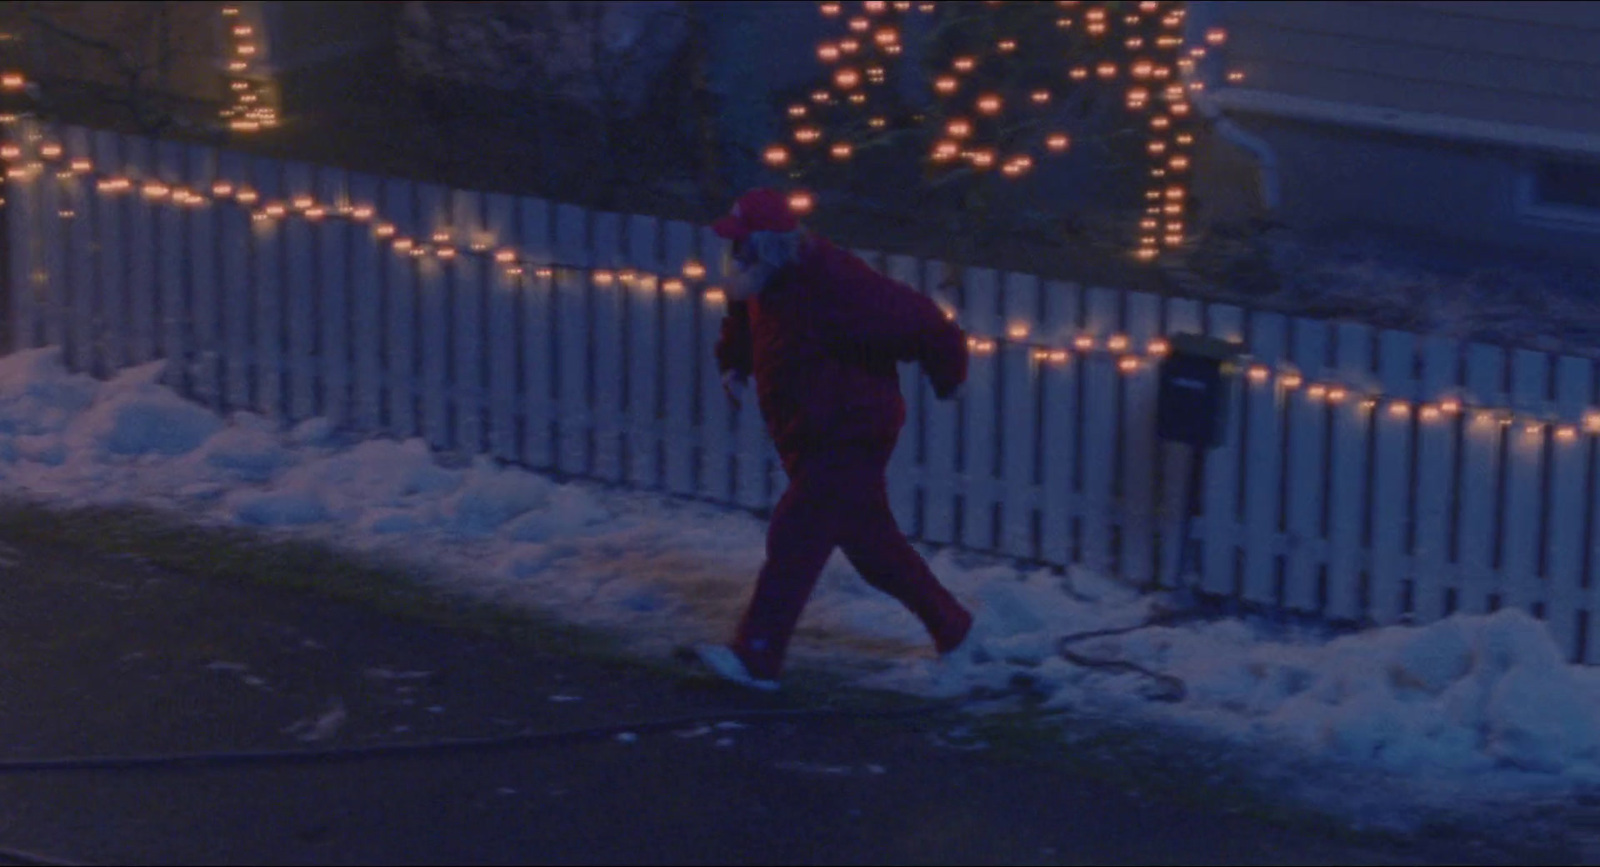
(1369, 475)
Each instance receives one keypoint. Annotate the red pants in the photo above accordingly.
(838, 499)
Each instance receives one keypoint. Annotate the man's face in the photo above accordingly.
(740, 268)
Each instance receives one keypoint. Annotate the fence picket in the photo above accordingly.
(110, 213)
(644, 359)
(1482, 485)
(53, 262)
(1265, 406)
(1017, 421)
(236, 237)
(23, 205)
(1392, 489)
(400, 296)
(1306, 471)
(367, 294)
(717, 463)
(682, 361)
(979, 460)
(469, 298)
(434, 312)
(1099, 432)
(1569, 471)
(335, 319)
(501, 284)
(143, 302)
(85, 327)
(199, 166)
(268, 328)
(1519, 581)
(170, 249)
(1347, 509)
(537, 343)
(300, 311)
(607, 348)
(939, 418)
(573, 290)
(1139, 451)
(1061, 505)
(1434, 575)
(1221, 501)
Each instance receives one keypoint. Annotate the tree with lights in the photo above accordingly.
(1001, 87)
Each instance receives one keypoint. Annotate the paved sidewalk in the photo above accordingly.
(108, 656)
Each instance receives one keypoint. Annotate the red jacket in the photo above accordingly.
(823, 341)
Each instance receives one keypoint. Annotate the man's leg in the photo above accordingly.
(872, 540)
(800, 538)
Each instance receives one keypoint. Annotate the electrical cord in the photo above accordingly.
(1170, 687)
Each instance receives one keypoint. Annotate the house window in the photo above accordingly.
(1565, 191)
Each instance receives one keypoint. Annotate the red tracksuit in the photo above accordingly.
(822, 342)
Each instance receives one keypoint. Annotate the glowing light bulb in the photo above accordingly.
(801, 202)
(847, 78)
(1057, 142)
(828, 53)
(964, 64)
(1083, 343)
(776, 155)
(1128, 364)
(946, 84)
(958, 128)
(840, 150)
(989, 103)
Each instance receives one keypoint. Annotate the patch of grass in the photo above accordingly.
(169, 542)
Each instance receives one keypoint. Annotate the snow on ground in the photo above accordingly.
(1472, 710)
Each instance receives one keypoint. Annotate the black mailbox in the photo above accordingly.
(1195, 380)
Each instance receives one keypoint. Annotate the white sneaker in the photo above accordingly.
(973, 649)
(727, 665)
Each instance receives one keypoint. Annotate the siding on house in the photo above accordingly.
(1434, 120)
(1535, 64)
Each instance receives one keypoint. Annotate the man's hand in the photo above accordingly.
(734, 384)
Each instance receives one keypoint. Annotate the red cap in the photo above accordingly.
(760, 210)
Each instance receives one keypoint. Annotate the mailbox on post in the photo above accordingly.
(1194, 386)
(1195, 381)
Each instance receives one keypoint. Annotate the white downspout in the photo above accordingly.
(1201, 16)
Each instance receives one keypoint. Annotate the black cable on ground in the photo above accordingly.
(1171, 687)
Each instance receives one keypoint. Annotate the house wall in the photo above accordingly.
(1503, 85)
(1534, 63)
(1460, 198)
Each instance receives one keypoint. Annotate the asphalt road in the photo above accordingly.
(106, 656)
